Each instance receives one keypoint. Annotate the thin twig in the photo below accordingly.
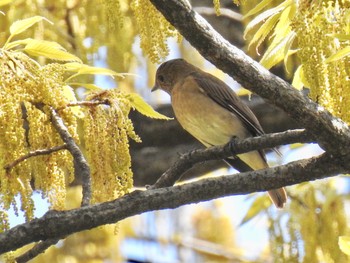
(25, 123)
(8, 167)
(36, 250)
(88, 103)
(81, 166)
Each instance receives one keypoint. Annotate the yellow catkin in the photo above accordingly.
(154, 29)
(107, 130)
(313, 219)
(216, 4)
(115, 16)
(25, 89)
(315, 24)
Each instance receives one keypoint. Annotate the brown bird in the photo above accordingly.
(211, 111)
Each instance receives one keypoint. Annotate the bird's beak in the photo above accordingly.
(155, 87)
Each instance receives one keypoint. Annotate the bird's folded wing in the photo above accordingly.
(222, 94)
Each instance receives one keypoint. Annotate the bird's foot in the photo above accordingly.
(231, 144)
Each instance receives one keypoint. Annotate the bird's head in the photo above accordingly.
(170, 72)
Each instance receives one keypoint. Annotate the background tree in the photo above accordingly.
(44, 125)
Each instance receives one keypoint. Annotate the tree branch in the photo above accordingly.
(8, 167)
(81, 166)
(188, 160)
(36, 250)
(81, 169)
(332, 133)
(62, 223)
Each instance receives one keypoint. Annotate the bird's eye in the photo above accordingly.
(161, 78)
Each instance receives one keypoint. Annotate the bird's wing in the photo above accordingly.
(223, 95)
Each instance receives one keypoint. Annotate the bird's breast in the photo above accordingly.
(204, 118)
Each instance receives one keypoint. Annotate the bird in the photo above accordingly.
(210, 111)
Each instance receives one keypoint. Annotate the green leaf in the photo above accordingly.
(96, 70)
(344, 244)
(287, 48)
(276, 53)
(22, 25)
(260, 18)
(297, 79)
(341, 37)
(283, 37)
(16, 43)
(261, 203)
(49, 49)
(88, 86)
(70, 95)
(268, 13)
(141, 106)
(258, 8)
(264, 30)
(73, 66)
(82, 69)
(283, 26)
(5, 2)
(339, 55)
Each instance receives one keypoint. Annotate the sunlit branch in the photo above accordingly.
(88, 103)
(62, 223)
(81, 166)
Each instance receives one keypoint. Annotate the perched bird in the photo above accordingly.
(211, 111)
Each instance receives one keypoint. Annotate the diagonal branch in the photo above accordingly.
(188, 160)
(81, 166)
(36, 250)
(331, 133)
(63, 223)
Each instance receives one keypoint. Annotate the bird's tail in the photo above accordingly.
(278, 197)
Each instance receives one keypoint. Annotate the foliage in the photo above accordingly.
(209, 225)
(27, 91)
(318, 33)
(154, 29)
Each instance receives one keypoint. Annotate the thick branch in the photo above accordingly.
(59, 224)
(332, 134)
(187, 161)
